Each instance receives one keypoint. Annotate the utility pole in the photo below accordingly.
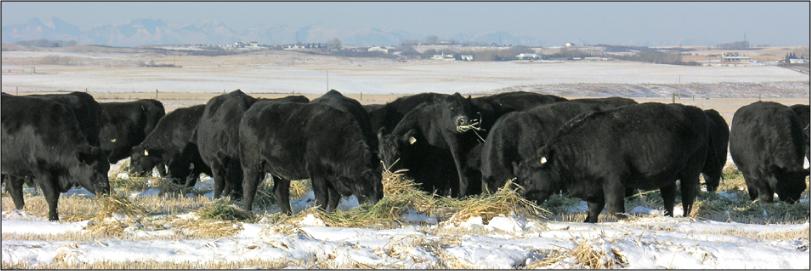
(327, 80)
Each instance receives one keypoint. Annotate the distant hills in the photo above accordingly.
(142, 32)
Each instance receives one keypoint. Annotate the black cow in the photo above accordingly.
(43, 139)
(803, 112)
(388, 115)
(336, 100)
(767, 146)
(516, 136)
(126, 124)
(315, 141)
(428, 136)
(596, 155)
(717, 152)
(217, 138)
(492, 107)
(86, 110)
(170, 143)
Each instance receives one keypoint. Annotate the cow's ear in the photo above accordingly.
(380, 133)
(410, 137)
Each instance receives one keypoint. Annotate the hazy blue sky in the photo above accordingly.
(619, 23)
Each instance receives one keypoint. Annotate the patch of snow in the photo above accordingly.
(27, 226)
(508, 224)
(311, 220)
(79, 192)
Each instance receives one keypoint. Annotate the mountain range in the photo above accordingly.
(141, 32)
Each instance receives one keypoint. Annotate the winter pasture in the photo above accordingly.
(150, 223)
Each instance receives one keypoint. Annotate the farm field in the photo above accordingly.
(120, 70)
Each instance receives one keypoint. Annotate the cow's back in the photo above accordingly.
(766, 133)
(86, 110)
(217, 130)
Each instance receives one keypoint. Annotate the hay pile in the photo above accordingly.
(586, 255)
(402, 194)
(221, 209)
(116, 213)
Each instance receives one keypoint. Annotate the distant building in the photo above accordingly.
(797, 61)
(466, 57)
(595, 58)
(735, 58)
(443, 56)
(525, 56)
(381, 49)
(568, 44)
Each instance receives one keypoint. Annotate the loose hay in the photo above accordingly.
(586, 255)
(115, 213)
(222, 210)
(207, 228)
(507, 200)
(402, 194)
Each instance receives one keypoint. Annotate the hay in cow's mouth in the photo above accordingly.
(474, 124)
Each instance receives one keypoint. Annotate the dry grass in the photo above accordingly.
(402, 194)
(205, 228)
(115, 214)
(223, 210)
(586, 255)
(152, 264)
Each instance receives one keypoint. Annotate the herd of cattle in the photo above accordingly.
(600, 150)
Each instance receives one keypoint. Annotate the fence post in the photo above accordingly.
(156, 94)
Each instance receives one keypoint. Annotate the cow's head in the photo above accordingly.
(143, 159)
(370, 186)
(91, 169)
(790, 185)
(539, 175)
(458, 113)
(396, 148)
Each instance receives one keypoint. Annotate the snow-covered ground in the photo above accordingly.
(505, 242)
(650, 241)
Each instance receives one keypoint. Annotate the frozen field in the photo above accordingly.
(278, 71)
(746, 236)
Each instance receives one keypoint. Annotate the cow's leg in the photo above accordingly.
(48, 186)
(459, 162)
(251, 182)
(321, 191)
(752, 190)
(281, 187)
(669, 198)
(191, 179)
(614, 194)
(234, 179)
(765, 193)
(15, 188)
(596, 205)
(219, 179)
(689, 190)
(334, 198)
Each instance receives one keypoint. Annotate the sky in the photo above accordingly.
(615, 23)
